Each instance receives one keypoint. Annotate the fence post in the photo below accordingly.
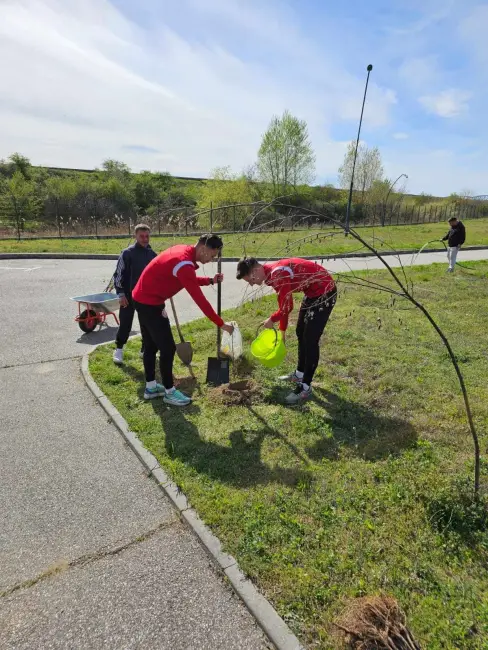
(128, 218)
(211, 216)
(234, 219)
(186, 222)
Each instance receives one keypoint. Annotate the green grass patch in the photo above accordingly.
(280, 244)
(365, 489)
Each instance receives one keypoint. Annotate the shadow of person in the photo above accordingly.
(359, 429)
(363, 431)
(103, 335)
(238, 463)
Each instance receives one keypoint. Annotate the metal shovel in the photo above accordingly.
(218, 368)
(184, 349)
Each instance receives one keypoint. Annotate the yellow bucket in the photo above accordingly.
(269, 348)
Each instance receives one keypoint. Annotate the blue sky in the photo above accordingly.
(190, 85)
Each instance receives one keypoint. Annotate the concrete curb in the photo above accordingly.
(266, 616)
(95, 256)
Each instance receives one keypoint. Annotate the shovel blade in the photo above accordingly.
(218, 371)
(184, 351)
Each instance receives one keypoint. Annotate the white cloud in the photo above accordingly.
(448, 103)
(196, 90)
(439, 171)
(419, 72)
(473, 30)
(431, 15)
(84, 83)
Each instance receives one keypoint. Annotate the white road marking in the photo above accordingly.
(20, 268)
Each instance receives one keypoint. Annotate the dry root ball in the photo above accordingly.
(233, 394)
(375, 623)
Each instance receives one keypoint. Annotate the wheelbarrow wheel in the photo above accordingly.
(88, 321)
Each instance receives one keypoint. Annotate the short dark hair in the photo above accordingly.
(245, 266)
(211, 241)
(141, 226)
(452, 219)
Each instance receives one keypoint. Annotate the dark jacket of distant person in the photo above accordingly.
(132, 262)
(456, 235)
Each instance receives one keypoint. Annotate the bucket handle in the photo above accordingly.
(270, 328)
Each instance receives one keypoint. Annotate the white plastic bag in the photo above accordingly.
(231, 344)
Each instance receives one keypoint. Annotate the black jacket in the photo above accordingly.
(456, 235)
(132, 262)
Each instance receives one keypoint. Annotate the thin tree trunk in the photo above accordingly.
(451, 355)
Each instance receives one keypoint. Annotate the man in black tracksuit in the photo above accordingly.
(131, 263)
(456, 238)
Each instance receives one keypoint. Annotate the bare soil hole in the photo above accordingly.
(244, 391)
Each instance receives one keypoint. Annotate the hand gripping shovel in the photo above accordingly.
(218, 368)
(183, 348)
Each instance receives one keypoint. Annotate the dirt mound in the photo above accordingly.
(187, 384)
(375, 623)
(235, 393)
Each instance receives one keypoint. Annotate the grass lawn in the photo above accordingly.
(361, 491)
(272, 244)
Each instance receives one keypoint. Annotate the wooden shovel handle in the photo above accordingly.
(177, 323)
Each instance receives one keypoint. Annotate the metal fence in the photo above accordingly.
(237, 218)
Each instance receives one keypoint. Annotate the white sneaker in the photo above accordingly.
(118, 356)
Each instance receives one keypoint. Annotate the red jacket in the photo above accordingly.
(295, 275)
(170, 272)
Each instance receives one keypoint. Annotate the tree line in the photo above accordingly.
(65, 201)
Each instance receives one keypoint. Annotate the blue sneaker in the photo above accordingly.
(151, 393)
(177, 398)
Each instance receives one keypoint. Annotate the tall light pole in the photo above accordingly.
(349, 201)
(387, 196)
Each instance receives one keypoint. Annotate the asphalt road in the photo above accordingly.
(92, 554)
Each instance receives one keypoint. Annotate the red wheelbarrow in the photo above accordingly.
(96, 309)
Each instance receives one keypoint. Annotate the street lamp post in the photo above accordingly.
(349, 201)
(387, 196)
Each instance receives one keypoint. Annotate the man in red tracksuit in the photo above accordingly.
(172, 270)
(289, 276)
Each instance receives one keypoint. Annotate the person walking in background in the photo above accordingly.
(173, 270)
(455, 239)
(289, 276)
(131, 263)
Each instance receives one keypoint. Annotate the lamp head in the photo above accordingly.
(370, 67)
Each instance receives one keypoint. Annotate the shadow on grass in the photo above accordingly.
(361, 430)
(239, 464)
(364, 432)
